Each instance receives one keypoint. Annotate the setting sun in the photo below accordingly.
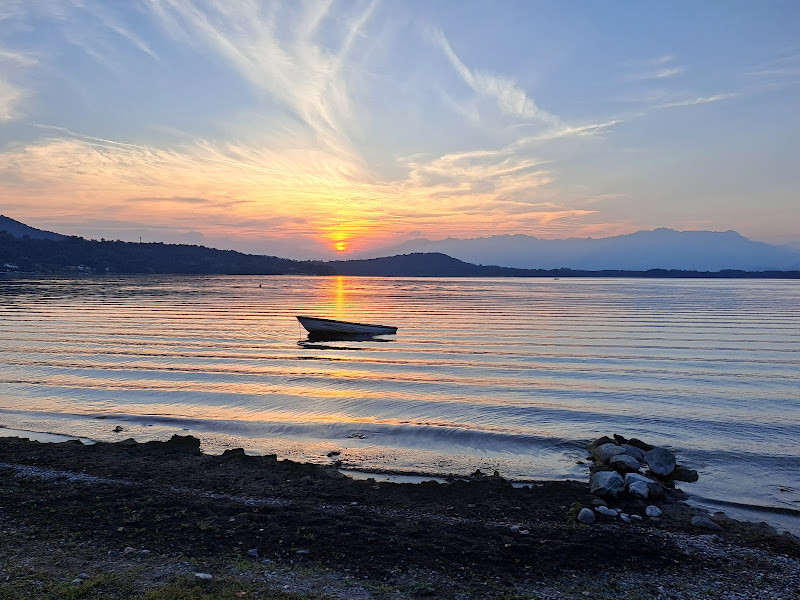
(340, 246)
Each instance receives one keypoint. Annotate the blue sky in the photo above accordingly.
(303, 128)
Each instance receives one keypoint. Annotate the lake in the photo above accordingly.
(514, 375)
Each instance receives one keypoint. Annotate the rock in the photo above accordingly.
(633, 451)
(608, 512)
(231, 454)
(600, 442)
(83, 576)
(333, 453)
(117, 429)
(639, 489)
(619, 439)
(636, 517)
(640, 445)
(683, 474)
(77, 581)
(602, 454)
(624, 463)
(204, 576)
(178, 443)
(253, 553)
(606, 484)
(720, 518)
(655, 489)
(661, 461)
(705, 523)
(652, 511)
(598, 502)
(301, 552)
(129, 550)
(515, 529)
(625, 517)
(586, 516)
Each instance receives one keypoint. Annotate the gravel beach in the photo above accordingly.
(163, 520)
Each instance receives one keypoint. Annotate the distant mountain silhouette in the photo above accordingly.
(19, 230)
(640, 251)
(24, 249)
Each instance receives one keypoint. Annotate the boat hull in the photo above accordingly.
(332, 326)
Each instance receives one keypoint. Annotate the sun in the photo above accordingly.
(340, 246)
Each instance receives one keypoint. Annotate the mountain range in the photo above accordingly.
(657, 249)
(658, 253)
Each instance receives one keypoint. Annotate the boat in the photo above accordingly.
(332, 326)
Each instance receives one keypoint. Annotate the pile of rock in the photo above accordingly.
(617, 472)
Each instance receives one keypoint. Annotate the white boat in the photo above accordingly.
(332, 326)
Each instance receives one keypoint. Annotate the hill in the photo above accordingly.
(77, 255)
(20, 230)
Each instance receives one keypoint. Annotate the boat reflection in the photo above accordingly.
(317, 340)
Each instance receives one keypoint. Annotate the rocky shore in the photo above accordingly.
(162, 520)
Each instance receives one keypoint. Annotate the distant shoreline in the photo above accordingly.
(544, 274)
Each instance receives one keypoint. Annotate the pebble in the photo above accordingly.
(625, 517)
(129, 550)
(204, 576)
(83, 576)
(77, 581)
(608, 512)
(586, 516)
(652, 511)
(253, 553)
(705, 523)
(303, 552)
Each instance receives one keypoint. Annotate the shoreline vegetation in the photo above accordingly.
(163, 520)
(72, 256)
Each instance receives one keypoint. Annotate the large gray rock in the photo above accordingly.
(661, 461)
(655, 489)
(633, 451)
(586, 516)
(624, 463)
(603, 454)
(606, 484)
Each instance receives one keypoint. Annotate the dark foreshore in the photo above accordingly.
(163, 520)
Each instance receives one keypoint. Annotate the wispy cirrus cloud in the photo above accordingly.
(12, 96)
(283, 50)
(661, 67)
(699, 100)
(508, 96)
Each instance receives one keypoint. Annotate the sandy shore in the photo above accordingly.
(142, 520)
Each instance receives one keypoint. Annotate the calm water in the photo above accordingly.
(508, 374)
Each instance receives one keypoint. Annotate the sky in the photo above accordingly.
(316, 129)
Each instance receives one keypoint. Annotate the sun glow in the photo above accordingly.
(340, 246)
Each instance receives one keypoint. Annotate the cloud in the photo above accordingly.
(11, 97)
(175, 199)
(280, 50)
(653, 69)
(508, 96)
(699, 100)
